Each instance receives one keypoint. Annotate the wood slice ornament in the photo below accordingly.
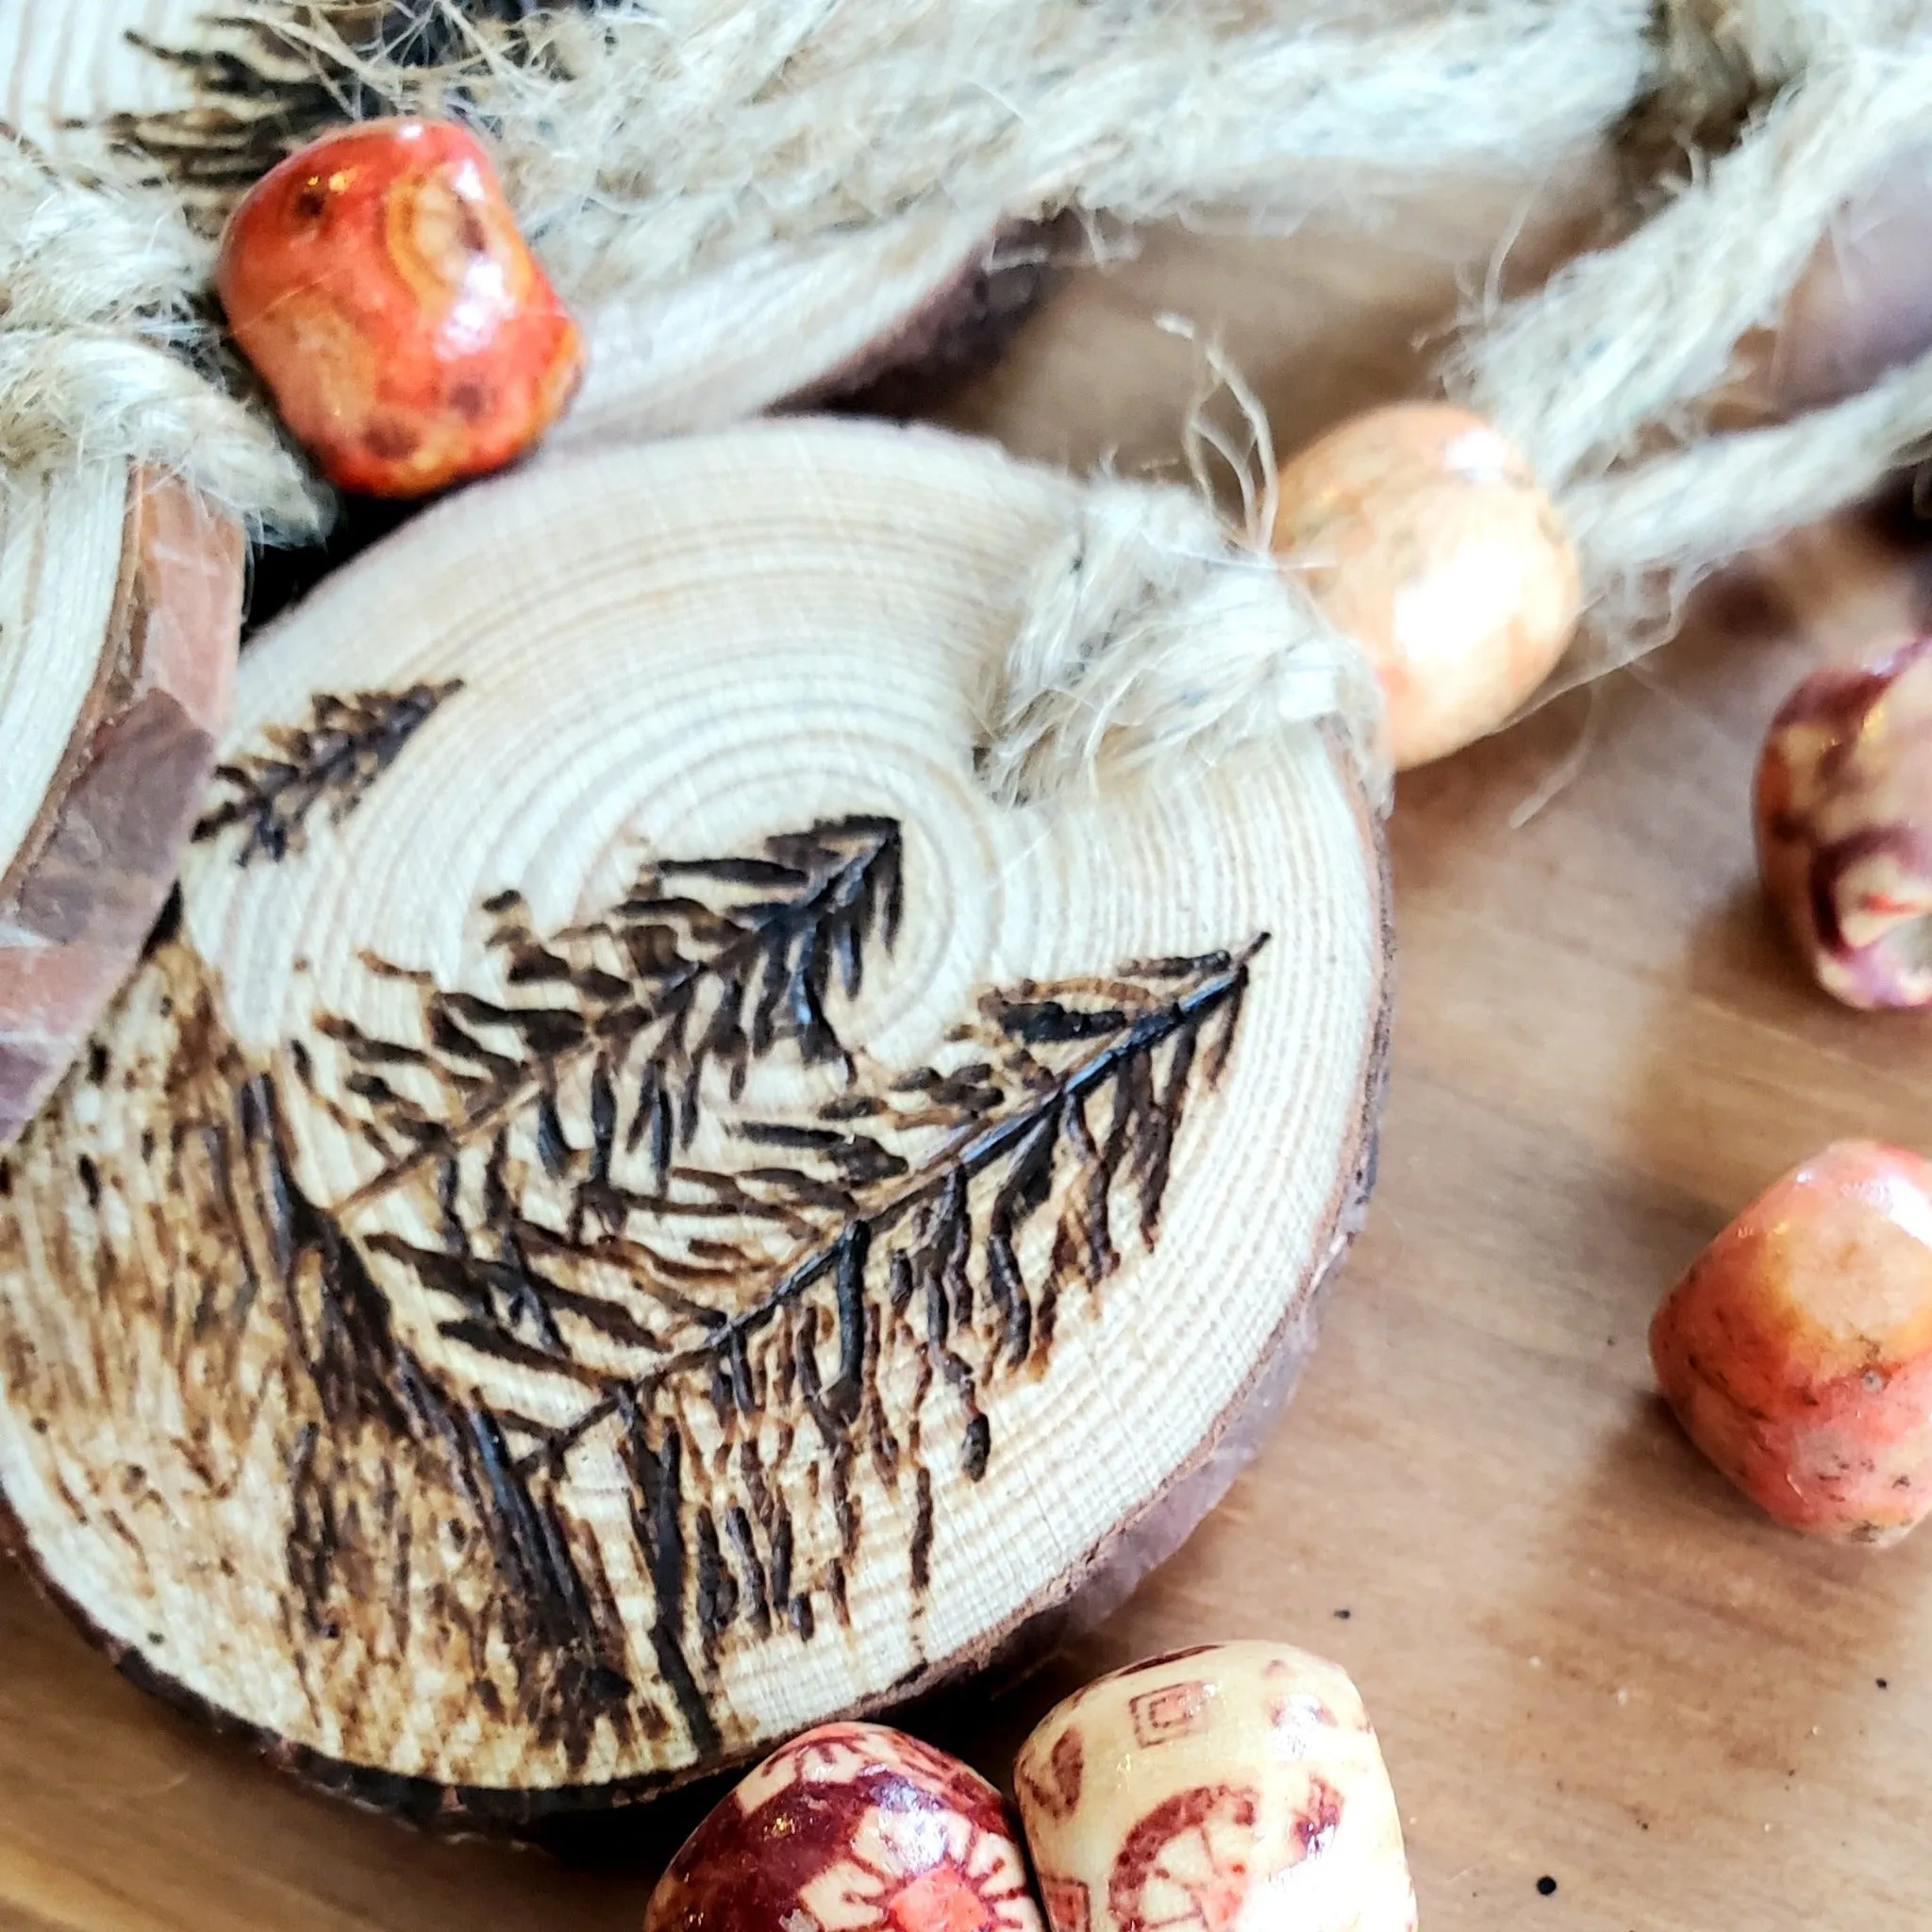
(120, 610)
(637, 1209)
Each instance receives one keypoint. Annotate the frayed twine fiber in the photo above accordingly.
(645, 146)
(650, 144)
(102, 355)
(1607, 377)
(1148, 632)
(1145, 634)
(653, 141)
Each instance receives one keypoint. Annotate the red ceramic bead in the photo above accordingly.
(852, 1828)
(1844, 828)
(378, 284)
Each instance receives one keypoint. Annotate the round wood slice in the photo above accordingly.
(637, 1209)
(119, 606)
(877, 314)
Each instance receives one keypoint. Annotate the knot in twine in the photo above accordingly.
(103, 356)
(1149, 635)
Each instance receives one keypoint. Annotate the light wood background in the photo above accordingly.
(1587, 1660)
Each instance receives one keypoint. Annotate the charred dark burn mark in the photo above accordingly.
(657, 1473)
(369, 1393)
(261, 91)
(705, 986)
(1023, 1145)
(329, 764)
(922, 1536)
(792, 1340)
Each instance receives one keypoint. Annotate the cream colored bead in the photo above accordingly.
(1237, 1788)
(1423, 533)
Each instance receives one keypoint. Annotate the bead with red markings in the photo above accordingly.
(1231, 1787)
(378, 284)
(852, 1828)
(1844, 828)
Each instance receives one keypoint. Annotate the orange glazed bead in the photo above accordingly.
(377, 282)
(1797, 1352)
(1422, 532)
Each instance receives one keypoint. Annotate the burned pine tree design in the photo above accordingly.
(266, 82)
(650, 1312)
(767, 1328)
(326, 765)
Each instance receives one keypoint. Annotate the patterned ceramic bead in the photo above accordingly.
(1797, 1352)
(1844, 828)
(1423, 534)
(1238, 1788)
(377, 282)
(852, 1828)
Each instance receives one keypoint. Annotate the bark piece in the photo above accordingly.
(122, 607)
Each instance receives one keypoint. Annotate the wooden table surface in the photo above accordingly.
(1589, 1661)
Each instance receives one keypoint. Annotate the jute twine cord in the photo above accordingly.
(644, 143)
(1141, 636)
(1606, 375)
(1718, 59)
(1144, 633)
(104, 358)
(649, 142)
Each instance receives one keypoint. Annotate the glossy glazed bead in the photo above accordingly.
(1797, 1352)
(1844, 828)
(852, 1828)
(377, 282)
(1237, 1788)
(1423, 534)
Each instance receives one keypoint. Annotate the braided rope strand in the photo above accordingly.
(102, 355)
